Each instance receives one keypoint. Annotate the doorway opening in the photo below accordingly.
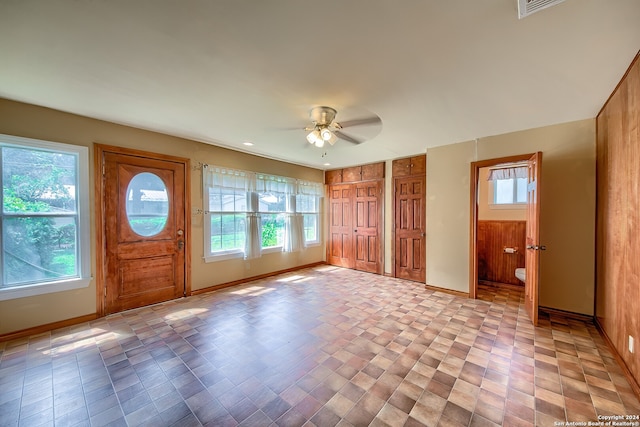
(522, 249)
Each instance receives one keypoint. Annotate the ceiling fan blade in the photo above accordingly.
(348, 138)
(290, 128)
(361, 122)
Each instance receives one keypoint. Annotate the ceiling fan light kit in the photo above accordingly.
(324, 129)
(315, 138)
(322, 115)
(326, 134)
(320, 135)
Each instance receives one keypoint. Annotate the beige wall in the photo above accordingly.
(567, 223)
(487, 213)
(41, 123)
(448, 215)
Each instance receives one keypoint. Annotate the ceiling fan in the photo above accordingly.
(324, 129)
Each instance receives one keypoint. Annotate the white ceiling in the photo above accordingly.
(230, 71)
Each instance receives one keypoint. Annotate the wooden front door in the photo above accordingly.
(340, 251)
(366, 228)
(144, 229)
(410, 218)
(533, 246)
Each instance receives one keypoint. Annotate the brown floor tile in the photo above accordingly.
(317, 347)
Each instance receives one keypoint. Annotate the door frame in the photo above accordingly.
(473, 223)
(98, 173)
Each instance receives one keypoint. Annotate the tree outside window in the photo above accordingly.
(39, 215)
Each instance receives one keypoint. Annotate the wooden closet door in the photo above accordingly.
(340, 248)
(410, 242)
(367, 217)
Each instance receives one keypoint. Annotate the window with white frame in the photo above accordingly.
(249, 213)
(44, 217)
(510, 191)
(272, 193)
(509, 185)
(307, 204)
(226, 196)
(227, 208)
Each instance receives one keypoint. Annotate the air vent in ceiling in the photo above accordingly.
(527, 7)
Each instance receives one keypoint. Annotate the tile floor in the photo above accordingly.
(323, 346)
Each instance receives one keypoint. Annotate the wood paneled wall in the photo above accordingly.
(493, 263)
(618, 218)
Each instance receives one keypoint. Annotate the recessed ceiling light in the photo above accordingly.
(248, 144)
(327, 164)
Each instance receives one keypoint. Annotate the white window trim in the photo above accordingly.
(84, 232)
(317, 240)
(503, 206)
(271, 249)
(224, 255)
(35, 289)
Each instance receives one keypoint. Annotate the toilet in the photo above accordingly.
(521, 274)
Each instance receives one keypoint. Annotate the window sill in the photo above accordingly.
(239, 255)
(223, 257)
(271, 249)
(25, 291)
(511, 206)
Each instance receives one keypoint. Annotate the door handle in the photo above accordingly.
(537, 248)
(423, 234)
(180, 240)
(355, 231)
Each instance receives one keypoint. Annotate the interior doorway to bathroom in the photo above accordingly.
(505, 210)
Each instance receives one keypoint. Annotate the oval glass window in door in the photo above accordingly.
(147, 204)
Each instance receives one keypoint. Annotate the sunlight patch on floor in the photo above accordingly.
(252, 291)
(78, 340)
(185, 314)
(327, 268)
